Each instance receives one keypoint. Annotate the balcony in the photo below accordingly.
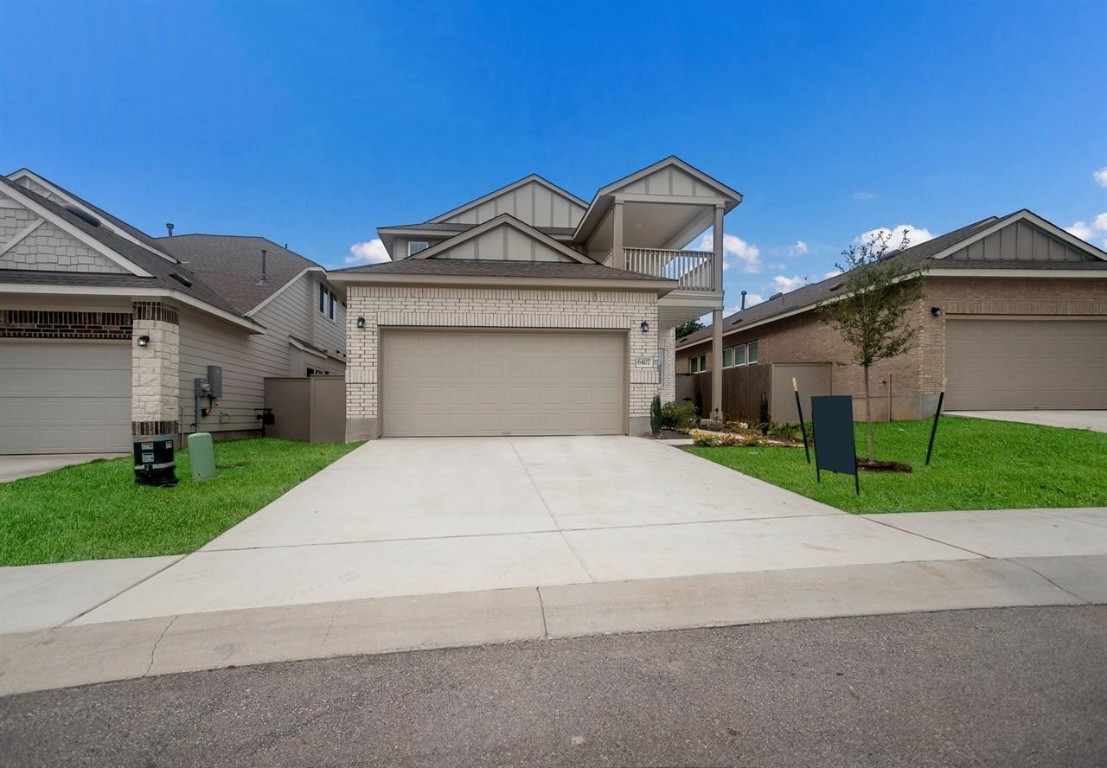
(693, 270)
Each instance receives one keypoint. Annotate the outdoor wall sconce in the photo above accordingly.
(936, 311)
(143, 341)
(645, 327)
(361, 322)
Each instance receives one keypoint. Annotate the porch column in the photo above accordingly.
(155, 367)
(717, 364)
(718, 242)
(618, 257)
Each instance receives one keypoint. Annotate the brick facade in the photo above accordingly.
(412, 306)
(54, 324)
(910, 384)
(155, 370)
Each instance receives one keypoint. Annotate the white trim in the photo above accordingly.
(424, 243)
(282, 289)
(72, 231)
(21, 235)
(23, 173)
(660, 287)
(1033, 218)
(1088, 274)
(504, 219)
(534, 177)
(158, 293)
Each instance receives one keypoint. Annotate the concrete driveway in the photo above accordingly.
(435, 516)
(1093, 420)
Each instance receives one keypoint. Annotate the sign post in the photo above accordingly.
(934, 427)
(836, 449)
(803, 427)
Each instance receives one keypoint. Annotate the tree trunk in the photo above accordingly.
(868, 416)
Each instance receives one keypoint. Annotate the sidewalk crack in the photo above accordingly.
(542, 610)
(157, 642)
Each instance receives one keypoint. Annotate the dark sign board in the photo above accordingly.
(835, 449)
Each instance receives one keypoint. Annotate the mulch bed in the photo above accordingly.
(883, 466)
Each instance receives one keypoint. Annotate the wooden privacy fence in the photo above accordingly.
(311, 408)
(743, 387)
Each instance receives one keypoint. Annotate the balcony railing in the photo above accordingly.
(694, 270)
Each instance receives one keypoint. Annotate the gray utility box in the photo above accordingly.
(154, 461)
(215, 381)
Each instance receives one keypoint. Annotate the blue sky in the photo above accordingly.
(312, 124)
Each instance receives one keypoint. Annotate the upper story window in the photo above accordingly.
(742, 354)
(414, 246)
(328, 303)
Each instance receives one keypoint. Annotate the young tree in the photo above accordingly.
(688, 328)
(872, 312)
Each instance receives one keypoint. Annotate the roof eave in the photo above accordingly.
(661, 287)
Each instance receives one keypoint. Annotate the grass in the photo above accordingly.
(977, 464)
(95, 511)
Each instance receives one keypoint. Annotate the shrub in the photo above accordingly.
(655, 415)
(678, 416)
(720, 439)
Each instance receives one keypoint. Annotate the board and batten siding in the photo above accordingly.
(533, 203)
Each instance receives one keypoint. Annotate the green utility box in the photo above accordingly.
(201, 455)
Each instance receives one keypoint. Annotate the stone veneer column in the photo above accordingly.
(155, 370)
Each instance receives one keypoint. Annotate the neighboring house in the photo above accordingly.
(1013, 315)
(104, 329)
(529, 311)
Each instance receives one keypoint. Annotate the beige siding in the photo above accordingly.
(1020, 241)
(503, 243)
(295, 312)
(670, 181)
(533, 203)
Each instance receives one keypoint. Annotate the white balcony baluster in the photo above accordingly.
(693, 270)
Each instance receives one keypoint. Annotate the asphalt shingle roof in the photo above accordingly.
(232, 265)
(158, 266)
(816, 292)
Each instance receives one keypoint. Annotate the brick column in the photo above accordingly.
(155, 370)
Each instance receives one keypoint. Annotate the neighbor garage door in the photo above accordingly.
(65, 397)
(461, 383)
(1026, 364)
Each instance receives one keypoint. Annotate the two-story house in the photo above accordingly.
(530, 311)
(104, 330)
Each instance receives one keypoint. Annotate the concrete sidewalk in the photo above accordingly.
(1096, 421)
(523, 539)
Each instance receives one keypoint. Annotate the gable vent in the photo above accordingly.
(83, 215)
(186, 282)
(776, 296)
(836, 286)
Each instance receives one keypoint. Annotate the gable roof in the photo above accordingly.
(154, 271)
(935, 253)
(503, 220)
(128, 230)
(233, 263)
(533, 178)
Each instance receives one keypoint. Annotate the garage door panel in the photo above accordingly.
(65, 397)
(498, 383)
(1026, 364)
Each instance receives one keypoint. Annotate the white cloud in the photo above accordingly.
(784, 284)
(369, 252)
(1086, 231)
(863, 196)
(894, 236)
(753, 298)
(832, 273)
(799, 249)
(1100, 176)
(736, 251)
(1080, 229)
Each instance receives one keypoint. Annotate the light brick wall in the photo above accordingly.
(916, 376)
(155, 369)
(666, 351)
(412, 306)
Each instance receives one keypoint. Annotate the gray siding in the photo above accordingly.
(533, 203)
(247, 360)
(503, 243)
(47, 248)
(1020, 241)
(670, 181)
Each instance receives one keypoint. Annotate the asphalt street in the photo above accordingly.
(999, 687)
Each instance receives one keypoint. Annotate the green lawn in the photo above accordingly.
(977, 464)
(96, 511)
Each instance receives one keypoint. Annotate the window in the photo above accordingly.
(333, 307)
(324, 299)
(740, 354)
(728, 357)
(414, 246)
(697, 364)
(753, 352)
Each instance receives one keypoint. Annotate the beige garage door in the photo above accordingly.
(1026, 364)
(462, 383)
(65, 397)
